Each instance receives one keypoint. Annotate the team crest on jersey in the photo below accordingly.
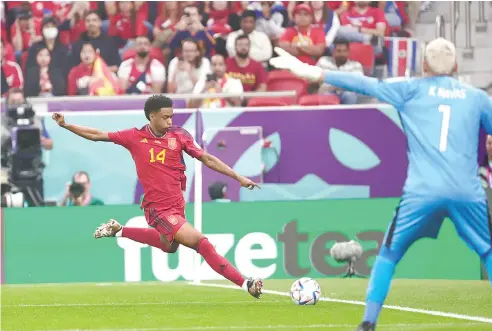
(172, 219)
(171, 143)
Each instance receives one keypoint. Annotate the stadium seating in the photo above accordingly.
(281, 80)
(364, 54)
(319, 99)
(265, 102)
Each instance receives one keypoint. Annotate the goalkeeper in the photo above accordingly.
(441, 118)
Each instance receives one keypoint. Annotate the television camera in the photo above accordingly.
(22, 164)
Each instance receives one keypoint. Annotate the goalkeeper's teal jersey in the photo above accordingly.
(441, 118)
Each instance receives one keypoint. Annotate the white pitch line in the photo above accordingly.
(162, 303)
(362, 303)
(276, 327)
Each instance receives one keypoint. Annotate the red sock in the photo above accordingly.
(219, 263)
(147, 236)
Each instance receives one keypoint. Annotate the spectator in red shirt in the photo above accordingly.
(80, 76)
(43, 79)
(11, 73)
(72, 22)
(363, 24)
(251, 73)
(25, 31)
(304, 41)
(126, 24)
(164, 26)
(142, 74)
(339, 7)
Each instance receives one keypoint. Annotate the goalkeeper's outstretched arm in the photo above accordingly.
(392, 91)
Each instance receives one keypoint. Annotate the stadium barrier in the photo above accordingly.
(268, 239)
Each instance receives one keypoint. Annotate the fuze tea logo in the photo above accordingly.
(250, 251)
(319, 250)
(253, 246)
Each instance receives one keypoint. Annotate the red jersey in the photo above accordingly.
(251, 76)
(367, 20)
(159, 163)
(26, 36)
(165, 23)
(124, 27)
(13, 74)
(312, 36)
(78, 79)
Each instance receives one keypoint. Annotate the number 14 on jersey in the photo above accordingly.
(160, 157)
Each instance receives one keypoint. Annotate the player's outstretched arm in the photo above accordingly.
(390, 91)
(84, 132)
(215, 164)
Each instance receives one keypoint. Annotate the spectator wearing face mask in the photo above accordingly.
(44, 79)
(142, 74)
(260, 45)
(51, 42)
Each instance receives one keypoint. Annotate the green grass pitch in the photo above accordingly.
(181, 306)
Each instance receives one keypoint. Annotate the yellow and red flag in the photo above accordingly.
(105, 82)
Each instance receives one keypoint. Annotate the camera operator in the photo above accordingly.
(23, 136)
(16, 98)
(78, 192)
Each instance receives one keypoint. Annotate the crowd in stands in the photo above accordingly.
(57, 48)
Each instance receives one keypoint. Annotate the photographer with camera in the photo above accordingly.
(78, 192)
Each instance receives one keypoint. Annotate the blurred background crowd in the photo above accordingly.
(58, 48)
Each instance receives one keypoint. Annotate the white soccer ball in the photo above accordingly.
(305, 291)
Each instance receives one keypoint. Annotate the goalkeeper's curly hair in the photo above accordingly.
(155, 103)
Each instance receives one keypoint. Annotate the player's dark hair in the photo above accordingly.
(242, 36)
(155, 103)
(340, 41)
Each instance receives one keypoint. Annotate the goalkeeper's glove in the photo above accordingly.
(301, 69)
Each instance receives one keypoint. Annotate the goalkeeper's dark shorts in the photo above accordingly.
(416, 217)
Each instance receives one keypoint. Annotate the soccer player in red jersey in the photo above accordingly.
(157, 149)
